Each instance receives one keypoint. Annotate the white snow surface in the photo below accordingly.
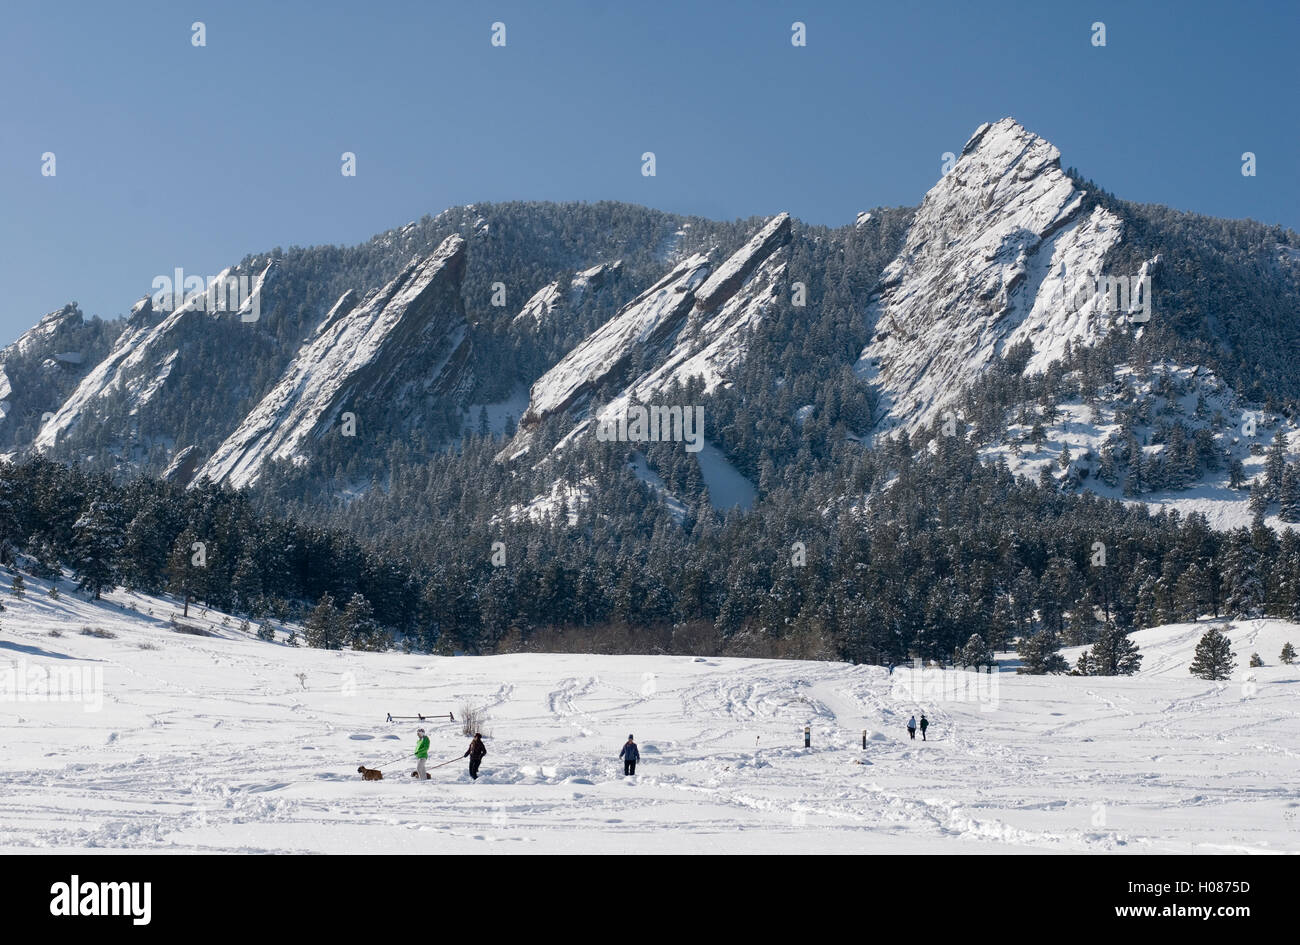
(995, 255)
(213, 745)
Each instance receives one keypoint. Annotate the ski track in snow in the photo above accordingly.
(212, 744)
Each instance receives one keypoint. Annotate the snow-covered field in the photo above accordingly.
(213, 744)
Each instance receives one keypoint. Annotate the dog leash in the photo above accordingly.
(393, 762)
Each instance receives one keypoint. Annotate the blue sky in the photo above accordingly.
(174, 156)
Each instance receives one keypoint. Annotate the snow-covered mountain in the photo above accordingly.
(144, 356)
(901, 314)
(996, 254)
(1189, 431)
(553, 299)
(690, 324)
(46, 362)
(388, 357)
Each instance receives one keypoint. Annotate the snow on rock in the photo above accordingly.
(648, 320)
(340, 309)
(143, 356)
(641, 469)
(552, 297)
(561, 504)
(997, 253)
(594, 277)
(38, 335)
(380, 360)
(1165, 395)
(541, 304)
(724, 282)
(689, 324)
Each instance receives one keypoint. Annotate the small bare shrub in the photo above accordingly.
(473, 720)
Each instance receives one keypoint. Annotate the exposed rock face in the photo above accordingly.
(690, 323)
(384, 359)
(554, 297)
(142, 358)
(36, 338)
(996, 254)
(183, 465)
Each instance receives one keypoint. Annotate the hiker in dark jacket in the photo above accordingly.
(475, 753)
(925, 723)
(630, 755)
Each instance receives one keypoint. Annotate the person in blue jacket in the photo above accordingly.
(630, 755)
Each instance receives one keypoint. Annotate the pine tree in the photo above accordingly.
(19, 589)
(1079, 630)
(96, 541)
(182, 568)
(1214, 658)
(1290, 495)
(1189, 592)
(1241, 581)
(1114, 654)
(147, 544)
(1040, 654)
(1258, 503)
(1288, 654)
(323, 628)
(1275, 464)
(359, 627)
(1236, 473)
(1000, 623)
(976, 652)
(1255, 660)
(246, 582)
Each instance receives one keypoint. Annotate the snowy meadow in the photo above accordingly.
(118, 733)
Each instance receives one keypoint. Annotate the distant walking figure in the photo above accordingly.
(475, 752)
(925, 723)
(630, 755)
(911, 727)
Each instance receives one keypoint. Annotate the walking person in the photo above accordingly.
(475, 753)
(630, 755)
(911, 727)
(421, 755)
(925, 723)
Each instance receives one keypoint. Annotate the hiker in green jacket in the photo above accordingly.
(421, 756)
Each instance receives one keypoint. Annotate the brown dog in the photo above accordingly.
(370, 774)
